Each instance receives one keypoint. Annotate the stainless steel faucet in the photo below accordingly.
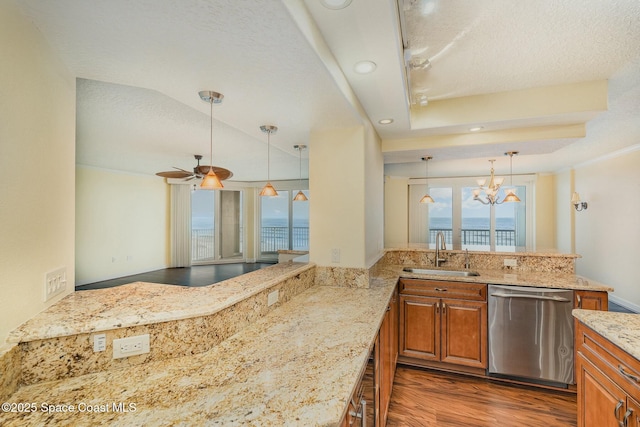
(467, 263)
(442, 246)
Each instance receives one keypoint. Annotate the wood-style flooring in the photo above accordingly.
(200, 275)
(423, 398)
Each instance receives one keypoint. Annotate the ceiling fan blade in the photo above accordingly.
(175, 174)
(221, 172)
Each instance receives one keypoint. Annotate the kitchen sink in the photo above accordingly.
(441, 272)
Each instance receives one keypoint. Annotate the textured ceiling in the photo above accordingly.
(141, 63)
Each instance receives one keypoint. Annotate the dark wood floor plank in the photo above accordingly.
(424, 398)
(200, 275)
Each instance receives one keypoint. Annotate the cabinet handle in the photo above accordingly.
(579, 298)
(626, 417)
(616, 412)
(441, 289)
(628, 375)
(444, 307)
(438, 307)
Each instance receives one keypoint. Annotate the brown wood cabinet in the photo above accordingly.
(608, 382)
(591, 300)
(444, 321)
(388, 357)
(380, 372)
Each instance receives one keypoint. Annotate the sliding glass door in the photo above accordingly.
(216, 226)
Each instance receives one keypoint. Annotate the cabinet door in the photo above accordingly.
(632, 414)
(600, 402)
(420, 327)
(464, 333)
(591, 300)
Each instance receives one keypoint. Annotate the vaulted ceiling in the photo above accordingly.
(532, 75)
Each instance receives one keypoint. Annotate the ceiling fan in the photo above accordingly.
(199, 171)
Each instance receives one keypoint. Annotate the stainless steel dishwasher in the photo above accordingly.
(531, 334)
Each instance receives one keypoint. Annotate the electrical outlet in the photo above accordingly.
(272, 298)
(55, 282)
(131, 346)
(510, 262)
(335, 255)
(99, 342)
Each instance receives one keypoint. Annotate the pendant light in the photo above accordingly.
(211, 180)
(300, 197)
(511, 191)
(268, 189)
(427, 198)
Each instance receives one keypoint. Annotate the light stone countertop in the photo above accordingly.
(622, 329)
(519, 278)
(297, 366)
(146, 303)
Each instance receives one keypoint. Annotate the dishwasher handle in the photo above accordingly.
(529, 296)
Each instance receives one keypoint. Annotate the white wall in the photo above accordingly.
(37, 157)
(607, 234)
(122, 224)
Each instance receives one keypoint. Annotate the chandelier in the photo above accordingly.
(489, 195)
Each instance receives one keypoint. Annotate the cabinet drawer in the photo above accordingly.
(619, 366)
(444, 289)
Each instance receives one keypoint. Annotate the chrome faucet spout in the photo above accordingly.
(467, 263)
(440, 245)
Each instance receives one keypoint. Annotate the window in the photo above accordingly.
(467, 223)
(284, 224)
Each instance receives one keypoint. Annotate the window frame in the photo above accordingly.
(419, 213)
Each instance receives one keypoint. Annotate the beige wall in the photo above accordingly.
(396, 211)
(37, 157)
(607, 234)
(374, 197)
(121, 226)
(545, 211)
(564, 212)
(345, 211)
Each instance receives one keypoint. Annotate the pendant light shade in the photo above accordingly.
(300, 197)
(427, 198)
(211, 180)
(268, 189)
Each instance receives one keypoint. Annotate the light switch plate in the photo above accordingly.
(99, 342)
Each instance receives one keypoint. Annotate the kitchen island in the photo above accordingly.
(296, 363)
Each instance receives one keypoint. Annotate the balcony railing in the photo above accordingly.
(274, 238)
(479, 237)
(271, 239)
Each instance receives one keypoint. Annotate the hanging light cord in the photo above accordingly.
(268, 155)
(211, 135)
(300, 167)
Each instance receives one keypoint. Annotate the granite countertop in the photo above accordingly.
(622, 329)
(518, 278)
(146, 303)
(297, 366)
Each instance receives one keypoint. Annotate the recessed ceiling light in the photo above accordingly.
(476, 129)
(385, 121)
(365, 67)
(335, 4)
